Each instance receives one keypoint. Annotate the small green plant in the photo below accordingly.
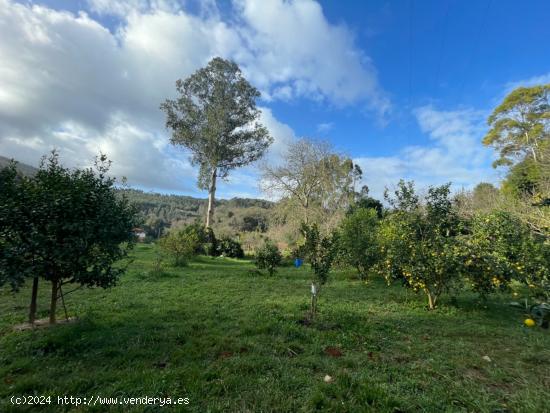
(268, 257)
(157, 267)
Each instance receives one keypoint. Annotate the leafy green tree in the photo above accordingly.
(358, 243)
(485, 197)
(215, 117)
(527, 195)
(520, 125)
(228, 247)
(268, 257)
(209, 242)
(154, 226)
(206, 242)
(520, 130)
(485, 194)
(419, 241)
(499, 248)
(320, 251)
(534, 267)
(181, 245)
(76, 228)
(404, 197)
(17, 256)
(491, 251)
(523, 180)
(364, 201)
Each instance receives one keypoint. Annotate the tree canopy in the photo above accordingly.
(215, 117)
(66, 226)
(520, 125)
(313, 179)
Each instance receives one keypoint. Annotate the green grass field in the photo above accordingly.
(232, 342)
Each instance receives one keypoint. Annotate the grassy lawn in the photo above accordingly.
(232, 342)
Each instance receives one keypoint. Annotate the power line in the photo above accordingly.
(475, 48)
(443, 44)
(409, 99)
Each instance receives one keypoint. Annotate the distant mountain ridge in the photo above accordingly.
(22, 168)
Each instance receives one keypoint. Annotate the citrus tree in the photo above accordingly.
(181, 245)
(358, 245)
(73, 228)
(17, 255)
(268, 257)
(320, 251)
(499, 248)
(492, 250)
(418, 241)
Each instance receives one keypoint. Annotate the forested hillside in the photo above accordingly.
(160, 212)
(22, 168)
(233, 216)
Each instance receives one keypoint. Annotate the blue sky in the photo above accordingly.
(403, 87)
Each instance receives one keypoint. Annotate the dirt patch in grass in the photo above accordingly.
(475, 374)
(43, 323)
(333, 351)
(225, 354)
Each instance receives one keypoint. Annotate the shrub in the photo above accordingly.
(181, 245)
(268, 257)
(358, 244)
(209, 242)
(228, 247)
(157, 267)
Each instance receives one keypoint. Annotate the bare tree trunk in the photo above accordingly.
(314, 295)
(211, 199)
(34, 295)
(431, 299)
(532, 148)
(53, 302)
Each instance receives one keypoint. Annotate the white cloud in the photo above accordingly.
(532, 81)
(325, 127)
(456, 154)
(281, 133)
(144, 158)
(123, 8)
(67, 81)
(295, 51)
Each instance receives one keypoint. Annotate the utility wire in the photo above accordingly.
(442, 45)
(409, 99)
(475, 49)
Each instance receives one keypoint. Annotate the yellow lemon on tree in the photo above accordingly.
(529, 322)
